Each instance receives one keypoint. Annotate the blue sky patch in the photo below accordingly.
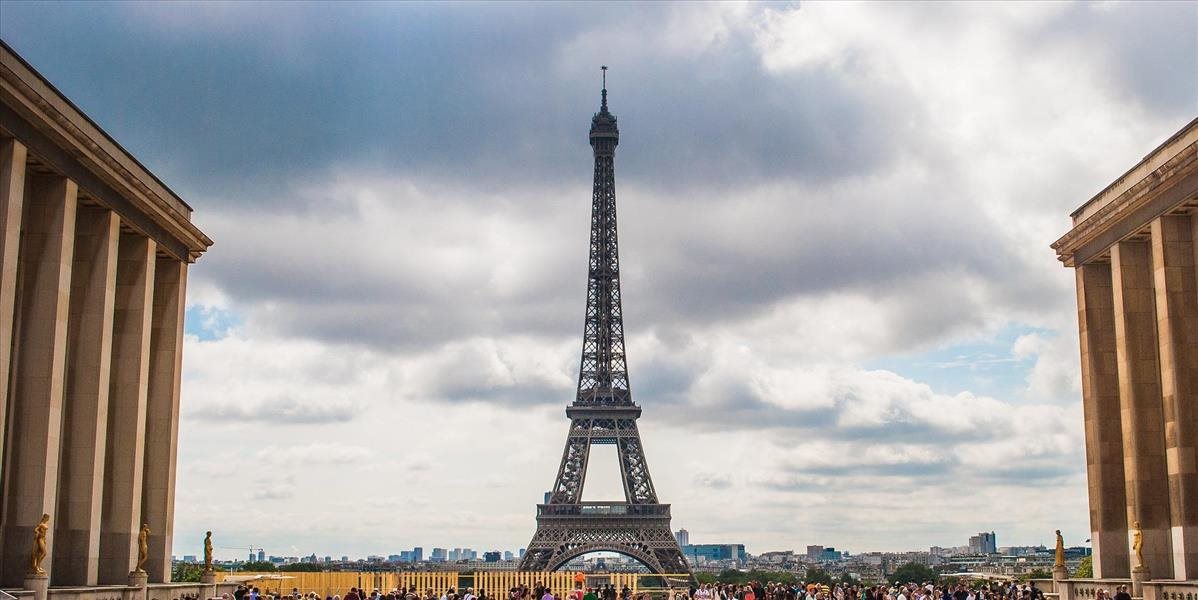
(209, 322)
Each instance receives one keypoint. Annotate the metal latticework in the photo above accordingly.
(603, 413)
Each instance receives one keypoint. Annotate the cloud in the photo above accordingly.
(717, 481)
(285, 409)
(273, 494)
(334, 453)
(1055, 374)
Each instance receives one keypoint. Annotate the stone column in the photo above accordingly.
(85, 418)
(1176, 280)
(121, 512)
(12, 198)
(162, 413)
(1100, 404)
(1142, 415)
(44, 276)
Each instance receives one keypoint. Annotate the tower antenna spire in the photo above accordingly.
(604, 69)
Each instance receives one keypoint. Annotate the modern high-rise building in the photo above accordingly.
(815, 552)
(417, 554)
(983, 543)
(683, 536)
(439, 555)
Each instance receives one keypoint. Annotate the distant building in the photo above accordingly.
(262, 555)
(439, 555)
(815, 552)
(683, 536)
(522, 550)
(492, 556)
(713, 552)
(507, 555)
(983, 543)
(417, 554)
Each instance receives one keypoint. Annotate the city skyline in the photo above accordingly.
(383, 338)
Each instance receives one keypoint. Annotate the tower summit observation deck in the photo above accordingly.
(603, 411)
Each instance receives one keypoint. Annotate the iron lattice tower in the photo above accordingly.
(603, 413)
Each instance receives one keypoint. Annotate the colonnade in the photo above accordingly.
(91, 328)
(1138, 318)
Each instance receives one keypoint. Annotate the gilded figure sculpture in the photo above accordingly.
(143, 547)
(208, 552)
(1137, 543)
(39, 546)
(1060, 556)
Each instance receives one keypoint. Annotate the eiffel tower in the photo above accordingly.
(603, 413)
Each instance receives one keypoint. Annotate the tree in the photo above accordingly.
(301, 567)
(705, 577)
(258, 566)
(913, 572)
(818, 575)
(186, 573)
(1085, 569)
(847, 578)
(1038, 573)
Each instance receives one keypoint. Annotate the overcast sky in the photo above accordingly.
(845, 325)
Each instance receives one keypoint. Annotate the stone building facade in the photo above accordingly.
(94, 251)
(1134, 249)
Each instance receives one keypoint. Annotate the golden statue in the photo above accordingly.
(143, 547)
(1137, 543)
(1060, 559)
(208, 552)
(39, 546)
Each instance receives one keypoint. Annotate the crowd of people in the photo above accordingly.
(707, 591)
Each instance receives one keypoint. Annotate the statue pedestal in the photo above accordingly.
(208, 577)
(138, 578)
(39, 583)
(1060, 574)
(1139, 575)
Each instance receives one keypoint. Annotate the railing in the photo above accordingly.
(1087, 589)
(178, 591)
(1171, 590)
(494, 583)
(603, 508)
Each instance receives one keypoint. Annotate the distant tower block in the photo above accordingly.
(603, 413)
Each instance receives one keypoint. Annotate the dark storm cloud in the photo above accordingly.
(264, 94)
